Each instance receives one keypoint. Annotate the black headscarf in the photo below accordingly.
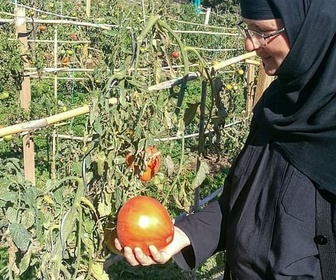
(299, 108)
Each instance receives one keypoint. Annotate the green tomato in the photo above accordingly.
(7, 138)
(4, 95)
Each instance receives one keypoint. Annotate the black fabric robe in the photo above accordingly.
(265, 218)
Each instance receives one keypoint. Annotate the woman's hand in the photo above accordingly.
(137, 257)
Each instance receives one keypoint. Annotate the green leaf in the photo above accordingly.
(201, 174)
(190, 112)
(181, 128)
(68, 225)
(77, 168)
(30, 196)
(169, 119)
(11, 215)
(24, 262)
(58, 195)
(104, 207)
(88, 226)
(98, 272)
(101, 158)
(20, 236)
(98, 127)
(28, 218)
(169, 164)
(7, 196)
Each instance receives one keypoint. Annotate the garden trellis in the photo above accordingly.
(21, 20)
(107, 89)
(29, 127)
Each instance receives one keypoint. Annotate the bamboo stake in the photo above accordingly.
(109, 26)
(194, 75)
(233, 60)
(165, 139)
(88, 8)
(44, 122)
(253, 61)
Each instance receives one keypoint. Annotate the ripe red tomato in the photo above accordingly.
(73, 37)
(175, 54)
(153, 162)
(42, 28)
(66, 61)
(143, 221)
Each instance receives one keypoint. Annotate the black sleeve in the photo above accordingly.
(206, 231)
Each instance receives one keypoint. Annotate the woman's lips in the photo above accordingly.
(266, 59)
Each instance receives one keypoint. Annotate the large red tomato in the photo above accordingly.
(143, 221)
(153, 162)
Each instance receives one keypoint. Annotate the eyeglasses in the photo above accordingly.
(259, 39)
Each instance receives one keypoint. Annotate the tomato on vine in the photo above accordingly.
(175, 54)
(240, 72)
(73, 36)
(6, 138)
(228, 86)
(4, 95)
(42, 28)
(152, 161)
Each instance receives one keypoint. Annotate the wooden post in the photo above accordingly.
(255, 90)
(25, 95)
(53, 149)
(263, 82)
(250, 88)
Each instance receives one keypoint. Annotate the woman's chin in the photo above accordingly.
(269, 70)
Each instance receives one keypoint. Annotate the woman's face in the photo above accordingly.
(273, 50)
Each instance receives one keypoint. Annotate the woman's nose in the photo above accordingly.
(249, 45)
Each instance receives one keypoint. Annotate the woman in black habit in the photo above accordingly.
(276, 218)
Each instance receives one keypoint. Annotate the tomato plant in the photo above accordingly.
(143, 221)
(152, 162)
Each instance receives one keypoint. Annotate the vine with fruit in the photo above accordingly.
(56, 229)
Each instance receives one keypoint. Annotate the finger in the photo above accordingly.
(142, 258)
(130, 257)
(159, 257)
(117, 244)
